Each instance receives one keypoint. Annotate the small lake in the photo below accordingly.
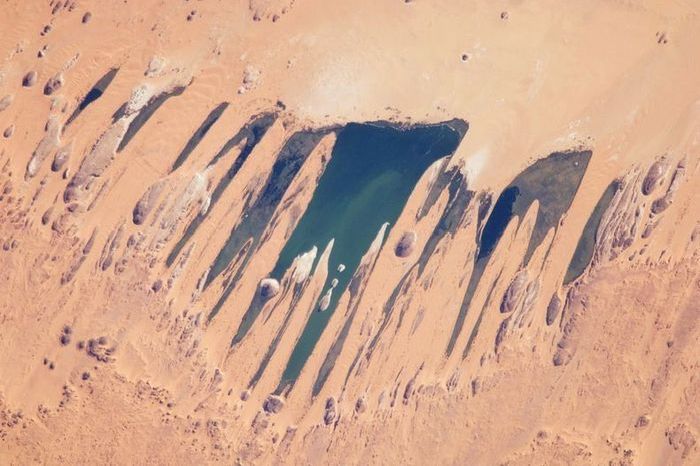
(372, 172)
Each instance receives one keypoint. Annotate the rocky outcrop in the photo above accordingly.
(53, 84)
(515, 292)
(251, 78)
(553, 308)
(654, 176)
(146, 203)
(182, 262)
(518, 300)
(96, 162)
(110, 247)
(100, 349)
(176, 206)
(330, 413)
(361, 405)
(6, 101)
(409, 390)
(65, 337)
(79, 257)
(269, 287)
(662, 203)
(155, 66)
(681, 439)
(573, 310)
(30, 79)
(61, 157)
(405, 245)
(501, 334)
(273, 404)
(325, 300)
(49, 143)
(621, 221)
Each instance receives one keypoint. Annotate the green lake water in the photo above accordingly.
(372, 172)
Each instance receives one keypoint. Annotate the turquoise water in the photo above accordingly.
(372, 172)
(257, 215)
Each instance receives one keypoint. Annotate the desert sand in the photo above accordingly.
(368, 232)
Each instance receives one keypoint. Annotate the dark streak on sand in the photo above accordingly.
(145, 114)
(252, 132)
(93, 94)
(204, 128)
(452, 217)
(357, 291)
(256, 217)
(477, 324)
(584, 249)
(298, 291)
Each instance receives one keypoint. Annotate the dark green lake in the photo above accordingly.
(551, 181)
(372, 172)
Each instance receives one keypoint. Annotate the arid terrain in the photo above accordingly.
(350, 232)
